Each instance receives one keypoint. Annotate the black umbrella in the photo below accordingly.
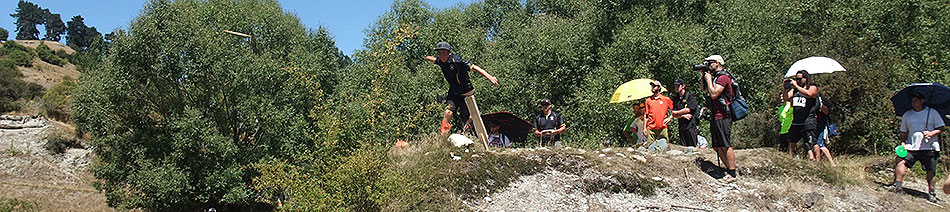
(514, 127)
(937, 97)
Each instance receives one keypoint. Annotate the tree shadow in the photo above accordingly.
(710, 168)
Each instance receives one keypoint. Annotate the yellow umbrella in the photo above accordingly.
(633, 90)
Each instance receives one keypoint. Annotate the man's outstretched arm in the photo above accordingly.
(488, 76)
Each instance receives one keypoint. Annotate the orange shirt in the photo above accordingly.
(657, 107)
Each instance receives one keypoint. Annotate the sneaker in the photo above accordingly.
(932, 198)
(893, 188)
(728, 179)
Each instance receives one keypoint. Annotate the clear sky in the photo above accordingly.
(345, 19)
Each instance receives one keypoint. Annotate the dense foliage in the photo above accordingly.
(184, 115)
(576, 52)
(28, 15)
(179, 110)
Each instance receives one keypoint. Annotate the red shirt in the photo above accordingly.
(657, 107)
(718, 110)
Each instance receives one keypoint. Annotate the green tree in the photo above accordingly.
(54, 27)
(196, 107)
(27, 16)
(79, 36)
(4, 34)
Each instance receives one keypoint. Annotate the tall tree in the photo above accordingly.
(4, 34)
(78, 35)
(54, 27)
(27, 16)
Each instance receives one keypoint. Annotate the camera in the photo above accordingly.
(704, 66)
(787, 84)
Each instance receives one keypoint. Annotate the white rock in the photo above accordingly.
(630, 149)
(582, 151)
(454, 157)
(487, 199)
(460, 140)
(601, 155)
(658, 179)
(639, 158)
(674, 152)
(621, 155)
(605, 150)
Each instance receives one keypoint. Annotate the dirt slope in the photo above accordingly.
(44, 73)
(53, 182)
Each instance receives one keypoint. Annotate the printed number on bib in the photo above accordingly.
(798, 101)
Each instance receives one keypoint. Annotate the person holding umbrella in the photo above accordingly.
(919, 132)
(455, 70)
(804, 98)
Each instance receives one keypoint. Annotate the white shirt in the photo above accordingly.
(501, 138)
(637, 126)
(916, 122)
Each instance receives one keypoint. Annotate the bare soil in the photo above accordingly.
(53, 182)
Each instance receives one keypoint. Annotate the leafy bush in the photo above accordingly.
(57, 102)
(45, 54)
(12, 88)
(178, 127)
(21, 58)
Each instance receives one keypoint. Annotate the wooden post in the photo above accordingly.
(476, 117)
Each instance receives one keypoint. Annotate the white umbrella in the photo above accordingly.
(815, 65)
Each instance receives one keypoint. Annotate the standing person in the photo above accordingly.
(455, 70)
(686, 110)
(720, 88)
(658, 108)
(549, 125)
(820, 147)
(804, 98)
(637, 126)
(919, 131)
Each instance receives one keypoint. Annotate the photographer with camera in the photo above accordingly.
(804, 97)
(719, 86)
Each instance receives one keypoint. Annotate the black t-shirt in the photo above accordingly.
(549, 122)
(455, 70)
(804, 110)
(687, 101)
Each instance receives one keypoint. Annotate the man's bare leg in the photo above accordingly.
(446, 126)
(828, 154)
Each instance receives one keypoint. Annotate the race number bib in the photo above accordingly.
(798, 101)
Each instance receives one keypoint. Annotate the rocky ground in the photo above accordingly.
(691, 185)
(55, 180)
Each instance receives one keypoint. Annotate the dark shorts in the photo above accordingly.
(688, 137)
(927, 158)
(800, 132)
(721, 131)
(456, 104)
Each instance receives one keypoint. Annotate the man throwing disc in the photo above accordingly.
(455, 70)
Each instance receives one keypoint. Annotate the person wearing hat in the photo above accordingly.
(549, 125)
(686, 110)
(919, 131)
(720, 128)
(658, 109)
(455, 70)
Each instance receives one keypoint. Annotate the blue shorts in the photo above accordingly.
(822, 137)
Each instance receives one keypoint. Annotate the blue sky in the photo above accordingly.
(346, 20)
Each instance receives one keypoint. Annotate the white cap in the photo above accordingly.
(716, 58)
